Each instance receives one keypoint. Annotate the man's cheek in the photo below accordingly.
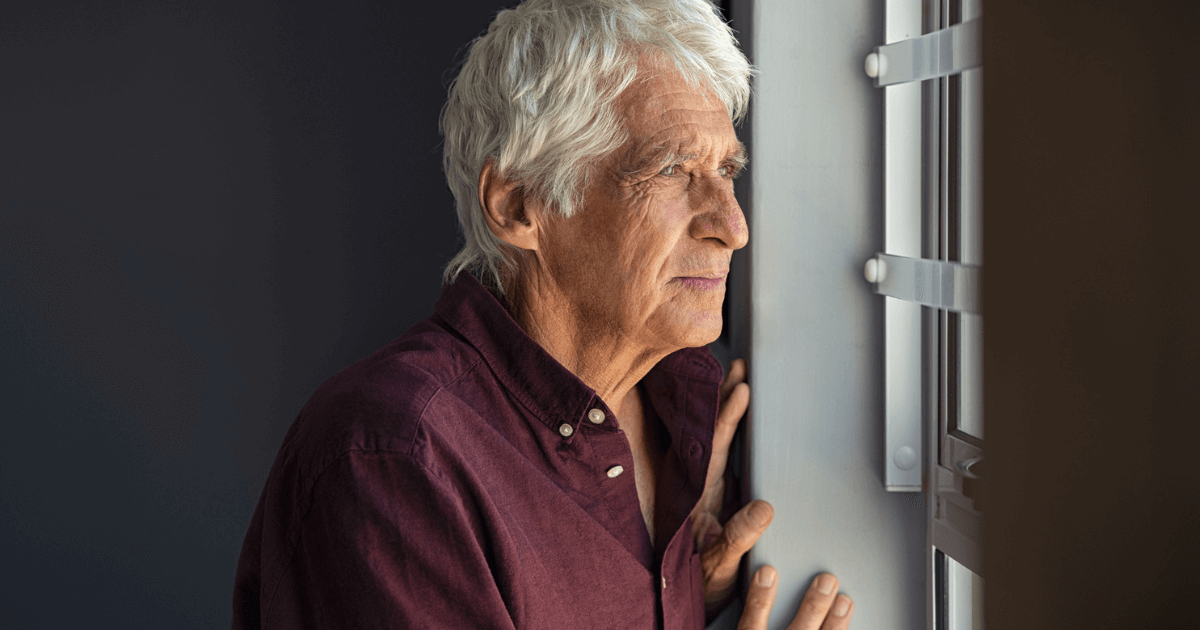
(645, 245)
(674, 208)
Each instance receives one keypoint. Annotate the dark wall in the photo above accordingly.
(206, 209)
(1092, 345)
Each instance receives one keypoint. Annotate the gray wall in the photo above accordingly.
(816, 424)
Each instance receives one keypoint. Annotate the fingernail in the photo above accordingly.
(759, 513)
(765, 576)
(841, 606)
(825, 583)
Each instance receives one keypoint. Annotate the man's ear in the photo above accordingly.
(503, 202)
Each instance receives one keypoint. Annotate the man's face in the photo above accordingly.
(647, 253)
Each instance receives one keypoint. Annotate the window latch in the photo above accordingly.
(937, 54)
(936, 283)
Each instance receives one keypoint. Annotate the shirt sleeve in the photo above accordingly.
(387, 543)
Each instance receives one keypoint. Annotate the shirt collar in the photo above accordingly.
(550, 391)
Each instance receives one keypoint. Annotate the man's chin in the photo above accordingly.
(704, 332)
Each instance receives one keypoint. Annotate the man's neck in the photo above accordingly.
(604, 358)
(609, 362)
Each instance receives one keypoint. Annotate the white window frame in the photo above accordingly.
(817, 445)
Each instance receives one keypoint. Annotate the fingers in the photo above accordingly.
(759, 599)
(719, 562)
(746, 526)
(731, 412)
(839, 615)
(734, 399)
(733, 407)
(822, 607)
(734, 381)
(736, 374)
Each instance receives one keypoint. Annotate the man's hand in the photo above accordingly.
(821, 609)
(721, 547)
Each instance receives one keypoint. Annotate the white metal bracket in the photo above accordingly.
(937, 54)
(935, 283)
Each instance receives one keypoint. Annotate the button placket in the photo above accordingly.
(606, 450)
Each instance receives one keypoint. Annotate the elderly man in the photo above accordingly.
(548, 449)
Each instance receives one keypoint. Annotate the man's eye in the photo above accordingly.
(670, 170)
(723, 171)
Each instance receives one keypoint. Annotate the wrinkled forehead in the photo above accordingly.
(663, 109)
(660, 92)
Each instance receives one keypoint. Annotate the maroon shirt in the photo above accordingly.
(455, 479)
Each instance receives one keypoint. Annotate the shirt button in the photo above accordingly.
(596, 416)
(614, 471)
(566, 430)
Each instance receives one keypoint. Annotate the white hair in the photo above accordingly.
(536, 91)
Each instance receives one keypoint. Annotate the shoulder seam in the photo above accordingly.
(420, 420)
(407, 452)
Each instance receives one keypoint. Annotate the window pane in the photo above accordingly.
(970, 237)
(964, 597)
(970, 374)
(970, 170)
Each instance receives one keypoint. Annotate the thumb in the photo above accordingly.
(719, 562)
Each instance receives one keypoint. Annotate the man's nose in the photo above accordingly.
(718, 215)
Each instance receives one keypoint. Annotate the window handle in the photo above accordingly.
(970, 468)
(972, 481)
(937, 54)
(936, 283)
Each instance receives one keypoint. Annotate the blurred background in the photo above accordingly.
(206, 209)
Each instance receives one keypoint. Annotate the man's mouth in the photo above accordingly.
(702, 282)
